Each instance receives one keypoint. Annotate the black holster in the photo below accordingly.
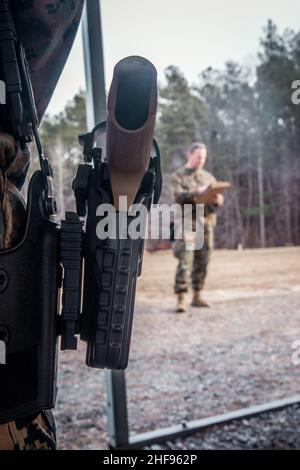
(29, 279)
(47, 262)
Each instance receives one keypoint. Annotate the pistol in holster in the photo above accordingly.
(64, 280)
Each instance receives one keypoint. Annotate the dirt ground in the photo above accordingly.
(205, 362)
(232, 274)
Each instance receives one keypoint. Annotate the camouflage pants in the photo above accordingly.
(192, 264)
(37, 434)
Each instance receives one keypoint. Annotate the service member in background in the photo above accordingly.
(189, 183)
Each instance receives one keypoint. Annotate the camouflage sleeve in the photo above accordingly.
(47, 30)
(181, 193)
(37, 433)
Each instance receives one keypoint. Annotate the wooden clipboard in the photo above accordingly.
(214, 189)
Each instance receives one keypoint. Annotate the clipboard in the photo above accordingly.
(214, 189)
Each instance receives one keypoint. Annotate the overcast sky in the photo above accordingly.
(193, 34)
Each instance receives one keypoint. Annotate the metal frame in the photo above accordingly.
(93, 63)
(118, 427)
(190, 427)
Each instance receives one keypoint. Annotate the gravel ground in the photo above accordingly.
(184, 367)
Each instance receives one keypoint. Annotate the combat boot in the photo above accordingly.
(198, 301)
(181, 303)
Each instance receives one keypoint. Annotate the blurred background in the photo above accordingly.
(225, 78)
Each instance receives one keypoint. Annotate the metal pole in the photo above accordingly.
(96, 112)
(93, 63)
(117, 410)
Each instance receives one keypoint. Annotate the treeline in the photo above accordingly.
(250, 125)
(252, 130)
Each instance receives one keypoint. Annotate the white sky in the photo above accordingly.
(193, 34)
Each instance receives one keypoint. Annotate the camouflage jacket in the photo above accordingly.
(185, 184)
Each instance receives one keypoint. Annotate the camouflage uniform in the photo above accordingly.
(47, 30)
(31, 434)
(192, 264)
